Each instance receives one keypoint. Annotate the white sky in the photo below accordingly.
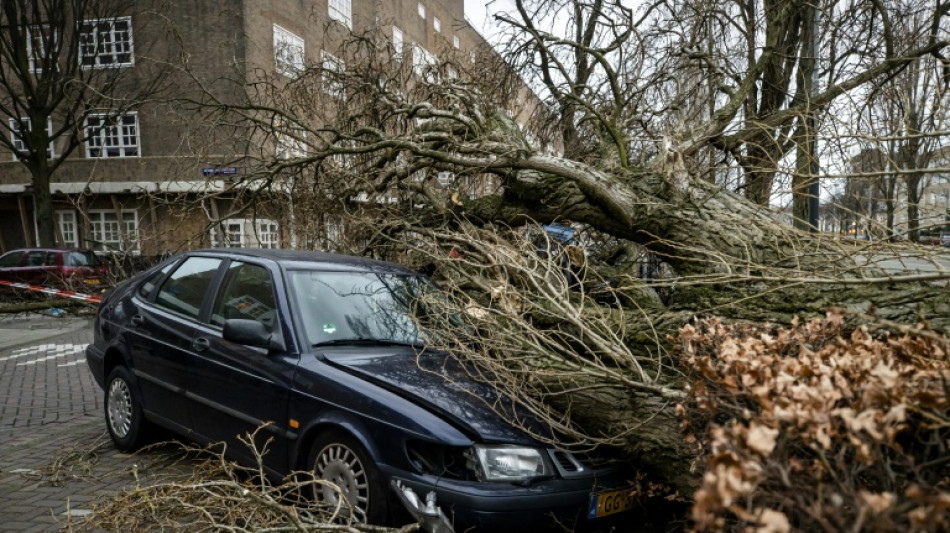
(479, 14)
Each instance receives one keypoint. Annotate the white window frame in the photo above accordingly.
(289, 52)
(114, 137)
(114, 41)
(341, 11)
(422, 10)
(290, 140)
(331, 63)
(238, 232)
(232, 227)
(456, 42)
(424, 63)
(127, 230)
(68, 225)
(267, 232)
(399, 43)
(437, 24)
(17, 140)
(33, 43)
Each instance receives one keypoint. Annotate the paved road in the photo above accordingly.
(56, 459)
(910, 263)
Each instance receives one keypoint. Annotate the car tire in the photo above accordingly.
(339, 458)
(123, 411)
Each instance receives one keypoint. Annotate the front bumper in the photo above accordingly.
(549, 504)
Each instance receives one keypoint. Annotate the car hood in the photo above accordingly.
(442, 385)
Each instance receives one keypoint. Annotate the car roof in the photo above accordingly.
(310, 259)
(84, 250)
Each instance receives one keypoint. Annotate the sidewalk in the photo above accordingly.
(56, 457)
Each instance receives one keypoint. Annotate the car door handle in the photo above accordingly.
(200, 344)
(137, 320)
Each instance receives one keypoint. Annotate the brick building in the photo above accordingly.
(124, 187)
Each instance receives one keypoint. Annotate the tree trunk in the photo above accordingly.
(913, 209)
(43, 204)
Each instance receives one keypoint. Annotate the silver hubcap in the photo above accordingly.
(120, 408)
(339, 465)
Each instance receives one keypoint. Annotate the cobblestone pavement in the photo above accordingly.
(56, 458)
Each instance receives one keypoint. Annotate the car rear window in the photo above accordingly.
(78, 259)
(11, 259)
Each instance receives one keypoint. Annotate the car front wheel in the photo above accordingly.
(123, 409)
(341, 460)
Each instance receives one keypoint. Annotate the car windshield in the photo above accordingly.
(357, 307)
(76, 259)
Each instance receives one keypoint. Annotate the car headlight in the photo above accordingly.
(508, 463)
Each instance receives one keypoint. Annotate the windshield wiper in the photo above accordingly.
(366, 342)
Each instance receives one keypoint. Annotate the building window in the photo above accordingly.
(106, 43)
(333, 68)
(36, 40)
(397, 43)
(288, 52)
(456, 42)
(424, 63)
(267, 234)
(66, 220)
(19, 147)
(112, 232)
(233, 233)
(445, 178)
(437, 24)
(422, 10)
(291, 139)
(246, 233)
(112, 135)
(342, 11)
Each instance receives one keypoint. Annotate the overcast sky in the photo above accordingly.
(479, 14)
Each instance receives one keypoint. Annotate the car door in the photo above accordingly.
(234, 388)
(35, 268)
(160, 331)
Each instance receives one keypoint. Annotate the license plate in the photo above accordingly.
(608, 503)
(92, 282)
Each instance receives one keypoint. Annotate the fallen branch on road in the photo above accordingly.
(220, 495)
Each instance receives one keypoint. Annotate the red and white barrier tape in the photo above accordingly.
(54, 292)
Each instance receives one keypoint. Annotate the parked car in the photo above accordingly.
(70, 268)
(322, 351)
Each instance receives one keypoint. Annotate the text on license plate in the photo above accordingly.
(607, 503)
(92, 281)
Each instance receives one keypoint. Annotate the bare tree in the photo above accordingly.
(388, 149)
(64, 63)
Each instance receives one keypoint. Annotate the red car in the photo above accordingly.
(69, 268)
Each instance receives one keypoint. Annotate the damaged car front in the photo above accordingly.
(462, 459)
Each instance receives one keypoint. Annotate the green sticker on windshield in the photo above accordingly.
(329, 329)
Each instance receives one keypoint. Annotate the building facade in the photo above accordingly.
(131, 186)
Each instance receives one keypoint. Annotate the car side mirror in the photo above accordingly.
(250, 333)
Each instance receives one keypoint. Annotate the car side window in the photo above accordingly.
(246, 292)
(146, 289)
(51, 258)
(184, 290)
(36, 258)
(11, 259)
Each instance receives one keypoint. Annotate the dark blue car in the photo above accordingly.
(323, 353)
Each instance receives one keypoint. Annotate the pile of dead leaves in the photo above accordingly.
(818, 427)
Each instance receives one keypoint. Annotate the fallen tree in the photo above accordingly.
(419, 162)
